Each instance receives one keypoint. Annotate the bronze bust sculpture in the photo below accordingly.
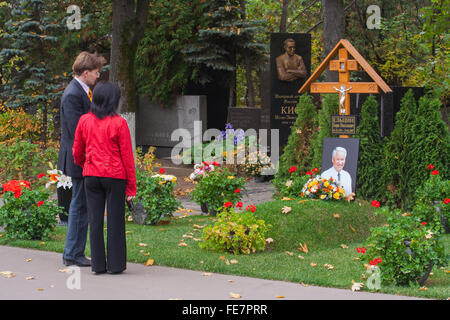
(290, 66)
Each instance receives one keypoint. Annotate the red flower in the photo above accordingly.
(446, 201)
(375, 261)
(40, 175)
(162, 171)
(309, 172)
(292, 169)
(375, 203)
(251, 207)
(424, 223)
(40, 203)
(430, 167)
(239, 205)
(228, 204)
(237, 190)
(361, 250)
(434, 172)
(315, 170)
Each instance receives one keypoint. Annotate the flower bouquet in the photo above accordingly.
(324, 189)
(202, 169)
(55, 176)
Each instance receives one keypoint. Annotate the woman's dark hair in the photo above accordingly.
(105, 99)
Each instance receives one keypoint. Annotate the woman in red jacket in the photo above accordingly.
(102, 147)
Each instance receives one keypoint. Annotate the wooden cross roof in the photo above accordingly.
(349, 65)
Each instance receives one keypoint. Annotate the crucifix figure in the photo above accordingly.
(342, 91)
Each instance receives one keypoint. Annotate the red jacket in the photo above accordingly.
(102, 147)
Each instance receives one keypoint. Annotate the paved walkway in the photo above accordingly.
(41, 275)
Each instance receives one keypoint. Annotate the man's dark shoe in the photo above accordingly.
(80, 262)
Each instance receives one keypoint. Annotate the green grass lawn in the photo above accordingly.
(323, 226)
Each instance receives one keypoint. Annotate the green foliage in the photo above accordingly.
(24, 219)
(235, 232)
(330, 106)
(224, 40)
(297, 151)
(161, 70)
(291, 187)
(370, 151)
(400, 266)
(419, 138)
(24, 160)
(218, 187)
(156, 195)
(430, 203)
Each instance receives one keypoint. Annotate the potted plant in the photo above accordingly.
(405, 249)
(155, 198)
(216, 187)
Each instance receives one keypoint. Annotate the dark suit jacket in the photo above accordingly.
(74, 103)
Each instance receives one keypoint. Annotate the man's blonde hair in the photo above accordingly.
(88, 61)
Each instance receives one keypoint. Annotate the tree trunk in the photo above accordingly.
(129, 18)
(333, 30)
(248, 67)
(283, 21)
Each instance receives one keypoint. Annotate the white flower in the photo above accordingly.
(64, 181)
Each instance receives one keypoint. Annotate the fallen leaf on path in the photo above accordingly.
(28, 260)
(30, 278)
(206, 274)
(150, 262)
(235, 295)
(280, 297)
(356, 286)
(7, 274)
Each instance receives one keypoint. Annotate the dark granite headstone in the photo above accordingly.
(245, 118)
(284, 95)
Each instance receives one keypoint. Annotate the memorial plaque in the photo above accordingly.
(285, 79)
(245, 118)
(345, 125)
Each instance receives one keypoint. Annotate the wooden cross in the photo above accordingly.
(344, 65)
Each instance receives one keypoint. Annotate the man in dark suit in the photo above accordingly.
(75, 102)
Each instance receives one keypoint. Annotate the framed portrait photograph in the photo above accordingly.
(340, 161)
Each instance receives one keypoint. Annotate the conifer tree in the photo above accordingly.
(30, 35)
(370, 151)
(398, 155)
(297, 151)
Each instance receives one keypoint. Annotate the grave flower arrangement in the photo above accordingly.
(319, 188)
(201, 170)
(55, 176)
(27, 213)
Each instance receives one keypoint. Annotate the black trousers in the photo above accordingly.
(112, 191)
